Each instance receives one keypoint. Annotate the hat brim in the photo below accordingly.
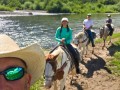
(33, 56)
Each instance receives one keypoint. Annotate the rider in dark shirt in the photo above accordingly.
(108, 24)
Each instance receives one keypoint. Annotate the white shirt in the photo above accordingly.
(88, 23)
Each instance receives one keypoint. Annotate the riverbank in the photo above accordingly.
(28, 12)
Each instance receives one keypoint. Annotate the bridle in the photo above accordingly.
(58, 71)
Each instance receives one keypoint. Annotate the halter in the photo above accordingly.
(83, 38)
(59, 70)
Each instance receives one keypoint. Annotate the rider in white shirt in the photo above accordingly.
(87, 25)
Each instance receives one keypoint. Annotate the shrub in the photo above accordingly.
(4, 8)
(55, 6)
(27, 5)
(66, 9)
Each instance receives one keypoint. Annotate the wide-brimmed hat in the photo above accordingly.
(64, 19)
(32, 55)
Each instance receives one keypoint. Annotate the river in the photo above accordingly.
(40, 27)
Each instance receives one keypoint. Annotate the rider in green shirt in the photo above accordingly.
(64, 36)
(64, 33)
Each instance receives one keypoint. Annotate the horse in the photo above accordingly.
(82, 41)
(59, 64)
(104, 33)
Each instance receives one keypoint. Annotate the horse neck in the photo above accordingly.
(57, 51)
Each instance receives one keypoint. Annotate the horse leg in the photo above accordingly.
(93, 50)
(103, 44)
(86, 50)
(55, 85)
(110, 40)
(62, 84)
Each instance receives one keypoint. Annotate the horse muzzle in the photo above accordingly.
(48, 84)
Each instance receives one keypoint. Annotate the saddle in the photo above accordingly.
(93, 33)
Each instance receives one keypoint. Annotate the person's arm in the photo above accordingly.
(84, 27)
(57, 35)
(69, 39)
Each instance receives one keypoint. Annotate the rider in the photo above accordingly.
(87, 25)
(64, 35)
(108, 24)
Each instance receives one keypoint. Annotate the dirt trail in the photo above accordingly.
(94, 73)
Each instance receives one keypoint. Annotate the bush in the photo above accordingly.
(55, 7)
(117, 7)
(27, 5)
(99, 5)
(4, 8)
(66, 9)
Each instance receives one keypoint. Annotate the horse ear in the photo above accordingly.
(46, 57)
(54, 57)
(49, 57)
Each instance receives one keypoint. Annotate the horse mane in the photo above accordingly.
(79, 35)
(54, 54)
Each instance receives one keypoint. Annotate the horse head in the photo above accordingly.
(52, 72)
(78, 37)
(50, 69)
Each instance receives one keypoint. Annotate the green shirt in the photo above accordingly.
(64, 34)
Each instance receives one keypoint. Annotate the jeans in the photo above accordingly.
(111, 29)
(90, 37)
(74, 55)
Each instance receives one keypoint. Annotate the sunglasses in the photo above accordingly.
(13, 73)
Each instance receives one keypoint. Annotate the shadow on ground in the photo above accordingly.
(113, 48)
(94, 65)
(76, 84)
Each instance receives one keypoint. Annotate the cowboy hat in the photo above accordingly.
(32, 55)
(64, 19)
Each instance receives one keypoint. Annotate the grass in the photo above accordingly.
(37, 85)
(114, 62)
(115, 35)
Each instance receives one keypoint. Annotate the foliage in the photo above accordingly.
(27, 5)
(4, 8)
(37, 85)
(65, 6)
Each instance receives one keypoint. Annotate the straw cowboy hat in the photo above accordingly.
(33, 56)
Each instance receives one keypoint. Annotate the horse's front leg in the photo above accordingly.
(103, 44)
(62, 84)
(86, 50)
(93, 50)
(55, 85)
(110, 40)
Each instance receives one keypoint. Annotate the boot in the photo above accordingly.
(77, 67)
(78, 70)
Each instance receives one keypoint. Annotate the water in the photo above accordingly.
(41, 29)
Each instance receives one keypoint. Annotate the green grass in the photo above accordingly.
(115, 35)
(114, 63)
(37, 85)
